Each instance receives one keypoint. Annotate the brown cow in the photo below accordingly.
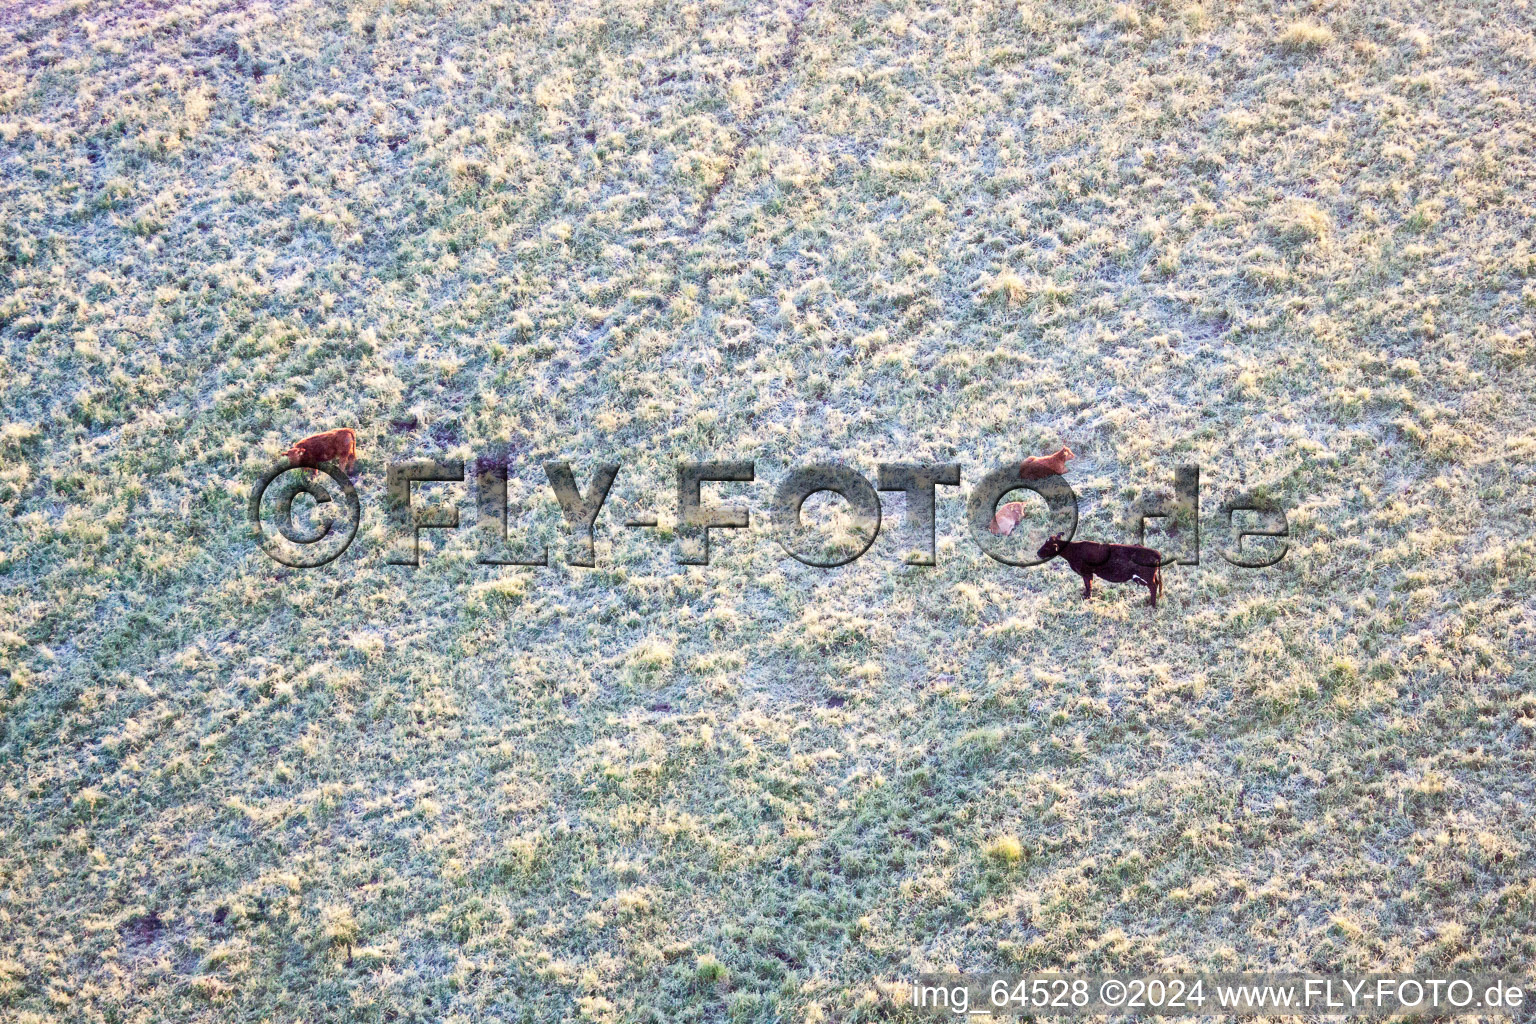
(338, 446)
(1038, 467)
(1117, 563)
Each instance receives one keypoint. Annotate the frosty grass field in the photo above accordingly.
(1288, 242)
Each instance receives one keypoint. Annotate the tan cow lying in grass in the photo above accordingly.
(1007, 518)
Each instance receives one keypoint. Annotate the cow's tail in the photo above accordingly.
(1157, 580)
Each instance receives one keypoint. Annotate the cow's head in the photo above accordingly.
(1050, 549)
(1066, 452)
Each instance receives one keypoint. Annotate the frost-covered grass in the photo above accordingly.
(1289, 243)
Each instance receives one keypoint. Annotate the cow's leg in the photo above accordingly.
(1087, 585)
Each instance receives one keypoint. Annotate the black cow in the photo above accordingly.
(1116, 563)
